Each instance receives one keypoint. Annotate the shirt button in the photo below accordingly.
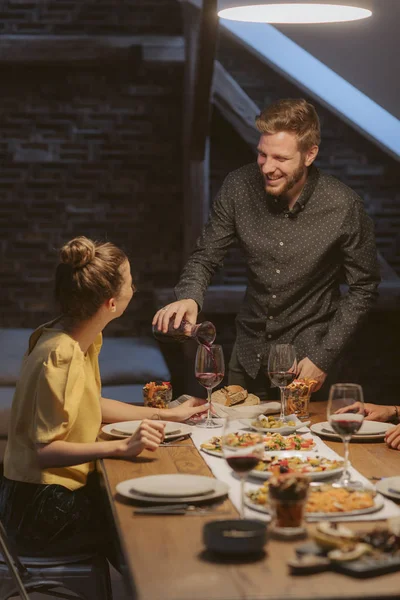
(286, 215)
(281, 243)
(269, 336)
(273, 295)
(270, 317)
(275, 201)
(277, 270)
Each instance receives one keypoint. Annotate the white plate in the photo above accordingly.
(367, 428)
(290, 454)
(388, 486)
(286, 430)
(378, 505)
(172, 486)
(127, 428)
(125, 489)
(326, 430)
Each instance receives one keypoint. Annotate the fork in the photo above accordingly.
(177, 509)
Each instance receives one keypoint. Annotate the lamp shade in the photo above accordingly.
(295, 11)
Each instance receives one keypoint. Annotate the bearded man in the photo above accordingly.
(302, 232)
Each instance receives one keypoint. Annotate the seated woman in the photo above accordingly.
(383, 413)
(49, 495)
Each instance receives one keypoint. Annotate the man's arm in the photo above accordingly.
(361, 271)
(211, 248)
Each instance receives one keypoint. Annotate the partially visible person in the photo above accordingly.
(49, 495)
(302, 232)
(383, 413)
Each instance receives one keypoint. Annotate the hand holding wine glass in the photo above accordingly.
(341, 396)
(209, 371)
(282, 369)
(242, 451)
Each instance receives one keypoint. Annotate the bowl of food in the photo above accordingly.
(235, 536)
(157, 394)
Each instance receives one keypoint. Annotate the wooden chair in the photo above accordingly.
(86, 576)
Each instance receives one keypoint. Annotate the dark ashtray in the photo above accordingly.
(235, 536)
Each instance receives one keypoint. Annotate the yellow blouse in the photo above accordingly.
(57, 398)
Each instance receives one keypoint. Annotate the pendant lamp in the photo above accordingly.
(295, 11)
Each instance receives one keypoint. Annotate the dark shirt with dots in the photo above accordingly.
(296, 260)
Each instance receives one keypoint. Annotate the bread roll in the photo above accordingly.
(220, 396)
(236, 394)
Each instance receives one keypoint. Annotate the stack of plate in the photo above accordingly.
(172, 488)
(369, 431)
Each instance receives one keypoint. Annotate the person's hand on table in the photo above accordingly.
(187, 409)
(182, 309)
(308, 370)
(148, 436)
(392, 437)
(372, 412)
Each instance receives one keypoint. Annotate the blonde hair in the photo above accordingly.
(294, 115)
(88, 274)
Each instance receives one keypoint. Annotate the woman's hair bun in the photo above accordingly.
(78, 252)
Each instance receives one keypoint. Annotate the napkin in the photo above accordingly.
(239, 412)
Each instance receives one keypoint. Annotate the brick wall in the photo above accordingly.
(94, 152)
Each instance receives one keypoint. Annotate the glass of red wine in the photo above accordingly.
(209, 371)
(282, 369)
(345, 416)
(242, 451)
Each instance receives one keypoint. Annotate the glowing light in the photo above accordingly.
(295, 13)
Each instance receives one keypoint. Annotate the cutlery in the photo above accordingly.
(177, 509)
(393, 491)
(173, 442)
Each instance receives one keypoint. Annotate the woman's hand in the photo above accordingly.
(148, 436)
(372, 412)
(186, 410)
(392, 437)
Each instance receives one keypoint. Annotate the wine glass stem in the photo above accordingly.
(242, 480)
(346, 474)
(209, 412)
(282, 415)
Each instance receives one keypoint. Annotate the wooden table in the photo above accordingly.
(165, 558)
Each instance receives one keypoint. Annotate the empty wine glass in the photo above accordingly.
(349, 398)
(282, 369)
(242, 451)
(209, 372)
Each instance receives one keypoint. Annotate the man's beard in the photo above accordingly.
(290, 183)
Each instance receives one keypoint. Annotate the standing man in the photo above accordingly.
(301, 233)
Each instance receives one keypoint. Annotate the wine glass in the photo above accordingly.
(209, 371)
(282, 369)
(243, 451)
(349, 398)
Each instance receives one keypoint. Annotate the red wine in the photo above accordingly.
(346, 424)
(281, 378)
(209, 380)
(242, 464)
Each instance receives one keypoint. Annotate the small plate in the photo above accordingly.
(317, 476)
(388, 487)
(286, 430)
(324, 429)
(218, 453)
(173, 486)
(127, 428)
(125, 489)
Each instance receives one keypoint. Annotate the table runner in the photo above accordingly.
(223, 472)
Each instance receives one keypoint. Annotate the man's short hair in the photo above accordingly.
(294, 115)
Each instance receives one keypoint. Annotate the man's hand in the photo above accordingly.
(307, 370)
(183, 309)
(372, 412)
(392, 437)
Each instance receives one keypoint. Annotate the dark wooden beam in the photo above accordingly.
(48, 49)
(201, 29)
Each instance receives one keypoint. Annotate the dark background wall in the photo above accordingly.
(96, 150)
